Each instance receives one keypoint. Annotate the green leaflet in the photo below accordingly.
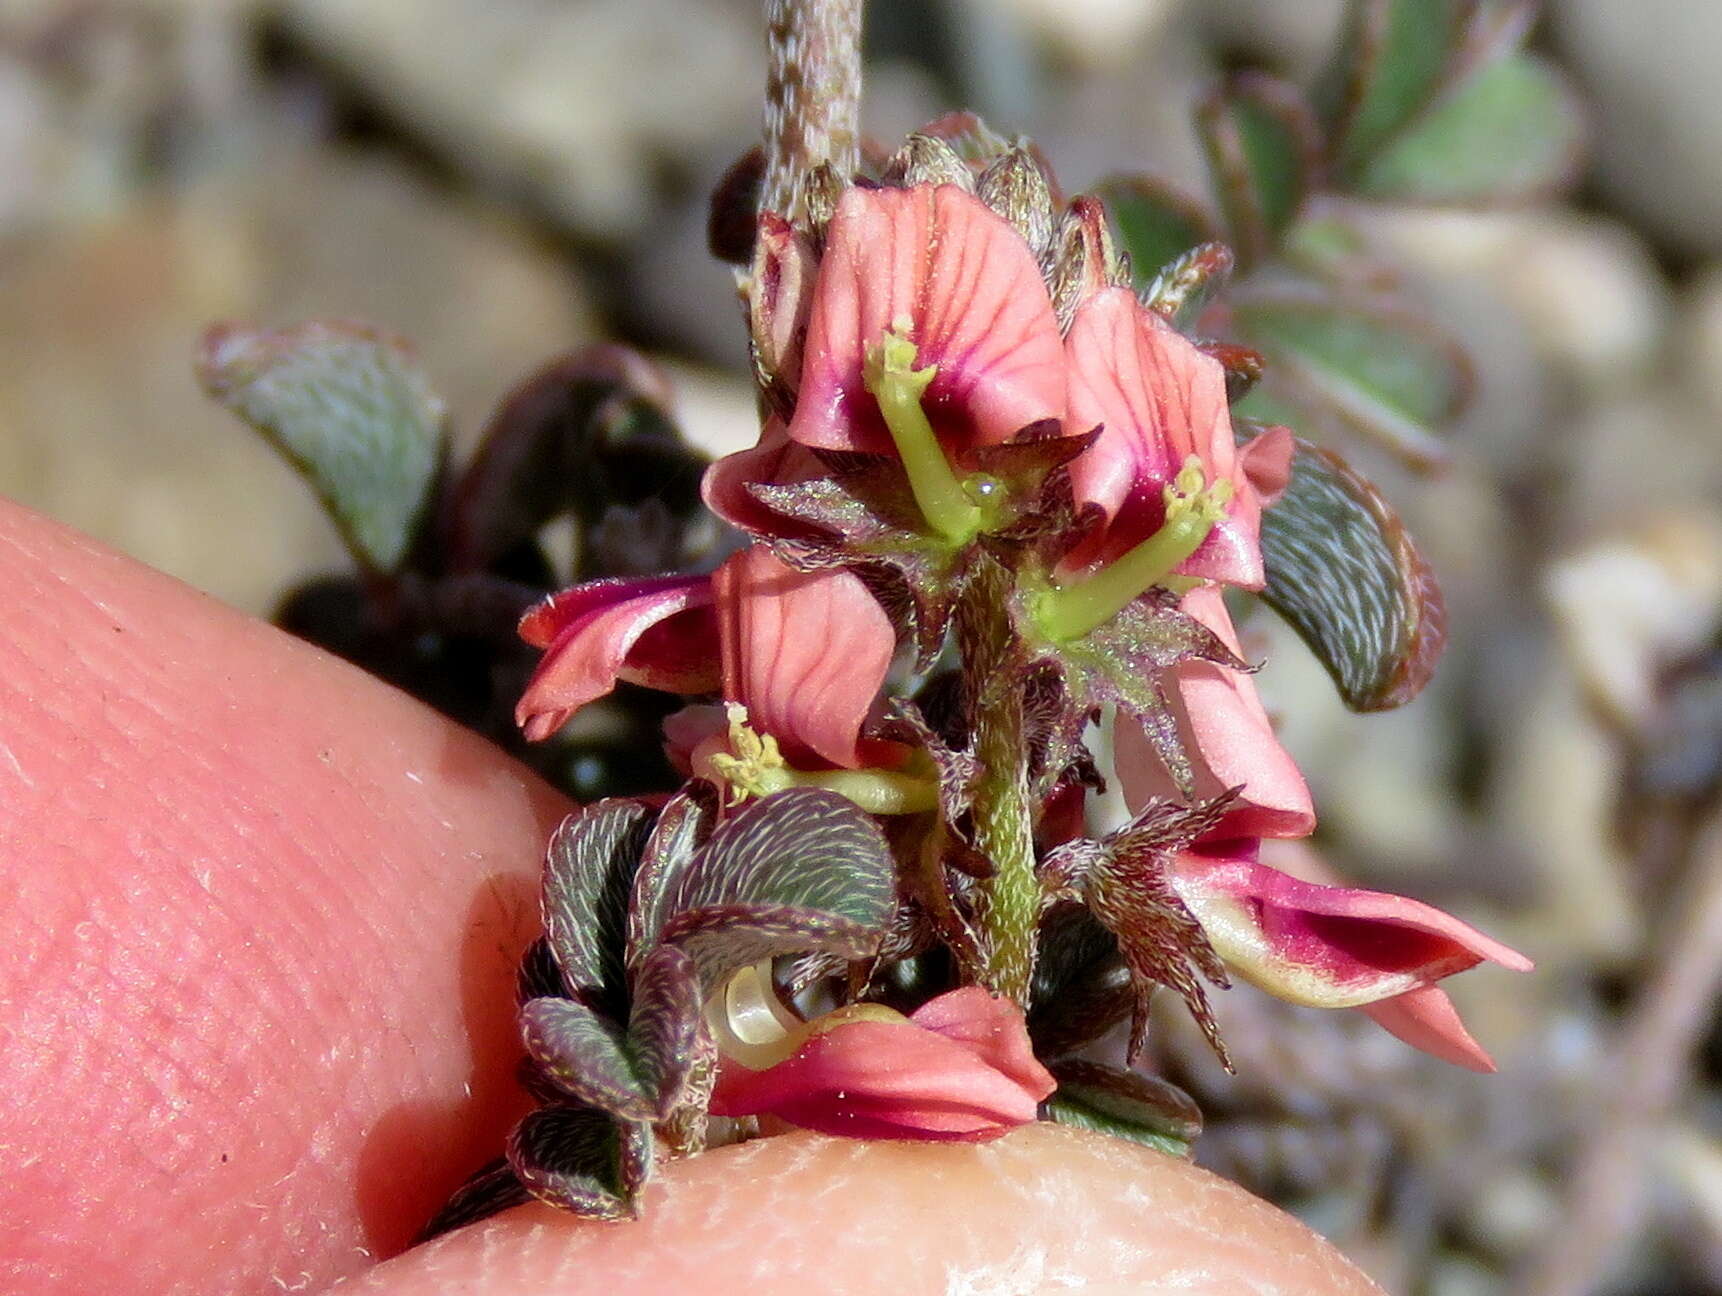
(1263, 149)
(1510, 130)
(1125, 1104)
(1383, 370)
(1393, 57)
(351, 410)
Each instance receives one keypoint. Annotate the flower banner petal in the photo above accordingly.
(976, 306)
(805, 652)
(1158, 400)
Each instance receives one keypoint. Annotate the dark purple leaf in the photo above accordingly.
(639, 1074)
(664, 1027)
(581, 1160)
(490, 1190)
(1082, 987)
(586, 432)
(732, 216)
(1128, 1104)
(801, 864)
(1345, 574)
(682, 827)
(588, 877)
(538, 975)
(586, 1056)
(724, 938)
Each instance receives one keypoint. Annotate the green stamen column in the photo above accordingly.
(898, 386)
(1192, 508)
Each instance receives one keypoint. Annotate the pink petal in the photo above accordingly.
(992, 1027)
(1426, 1019)
(775, 459)
(873, 1079)
(1266, 463)
(977, 307)
(1330, 947)
(1229, 738)
(1063, 816)
(1159, 400)
(805, 652)
(687, 730)
(780, 293)
(659, 631)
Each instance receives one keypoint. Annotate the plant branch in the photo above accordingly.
(812, 95)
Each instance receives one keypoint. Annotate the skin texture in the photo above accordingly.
(261, 915)
(1044, 1209)
(261, 920)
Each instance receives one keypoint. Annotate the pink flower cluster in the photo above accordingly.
(807, 652)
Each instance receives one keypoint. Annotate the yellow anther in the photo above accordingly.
(1190, 493)
(889, 366)
(753, 766)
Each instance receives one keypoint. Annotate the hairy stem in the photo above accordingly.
(1009, 910)
(812, 95)
(1004, 833)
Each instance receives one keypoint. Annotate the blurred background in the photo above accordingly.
(503, 180)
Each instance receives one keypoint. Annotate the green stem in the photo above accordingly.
(1004, 834)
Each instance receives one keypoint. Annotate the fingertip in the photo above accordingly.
(263, 916)
(1045, 1208)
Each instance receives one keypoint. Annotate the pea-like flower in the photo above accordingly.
(958, 1069)
(804, 652)
(1324, 946)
